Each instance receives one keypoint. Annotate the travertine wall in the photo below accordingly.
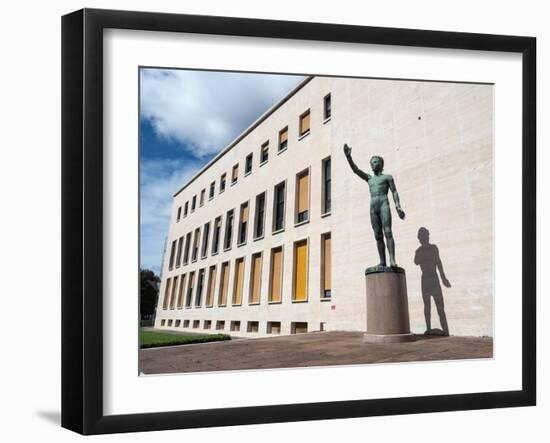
(436, 140)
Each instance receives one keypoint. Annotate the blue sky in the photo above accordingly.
(186, 118)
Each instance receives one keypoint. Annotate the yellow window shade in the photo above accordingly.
(300, 271)
(304, 123)
(224, 284)
(244, 214)
(256, 278)
(303, 193)
(238, 287)
(276, 269)
(283, 136)
(327, 262)
(211, 286)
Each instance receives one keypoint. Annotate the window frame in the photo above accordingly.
(297, 221)
(274, 229)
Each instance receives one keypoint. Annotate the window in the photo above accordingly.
(216, 236)
(224, 284)
(211, 286)
(243, 224)
(276, 275)
(173, 296)
(207, 324)
(163, 322)
(255, 279)
(326, 107)
(180, 292)
(235, 174)
(178, 323)
(273, 327)
(238, 282)
(185, 323)
(304, 123)
(298, 327)
(200, 286)
(189, 294)
(201, 201)
(186, 209)
(172, 255)
(178, 255)
(228, 229)
(222, 183)
(187, 247)
(300, 271)
(220, 325)
(195, 244)
(205, 235)
(259, 217)
(196, 324)
(264, 153)
(326, 266)
(170, 322)
(193, 203)
(252, 326)
(179, 214)
(283, 139)
(248, 164)
(166, 294)
(302, 197)
(212, 190)
(326, 205)
(279, 207)
(235, 326)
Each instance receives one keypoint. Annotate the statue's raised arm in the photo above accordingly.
(354, 167)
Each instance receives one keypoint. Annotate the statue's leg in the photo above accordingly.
(427, 311)
(439, 304)
(376, 224)
(385, 214)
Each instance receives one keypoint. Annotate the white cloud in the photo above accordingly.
(159, 180)
(204, 111)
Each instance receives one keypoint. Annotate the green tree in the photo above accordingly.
(149, 290)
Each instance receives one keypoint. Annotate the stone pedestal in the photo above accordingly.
(387, 306)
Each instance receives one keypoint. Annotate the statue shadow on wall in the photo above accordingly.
(427, 257)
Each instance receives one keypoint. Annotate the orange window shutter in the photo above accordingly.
(166, 295)
(211, 286)
(225, 283)
(238, 289)
(300, 273)
(304, 123)
(235, 172)
(327, 269)
(277, 260)
(284, 136)
(244, 214)
(256, 278)
(303, 193)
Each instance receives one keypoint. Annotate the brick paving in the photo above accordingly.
(303, 350)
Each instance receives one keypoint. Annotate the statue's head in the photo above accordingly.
(423, 236)
(377, 163)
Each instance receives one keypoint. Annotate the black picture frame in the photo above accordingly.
(82, 232)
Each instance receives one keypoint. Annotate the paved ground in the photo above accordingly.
(313, 349)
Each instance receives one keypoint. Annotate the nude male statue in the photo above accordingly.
(380, 214)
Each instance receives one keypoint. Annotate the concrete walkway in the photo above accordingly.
(302, 350)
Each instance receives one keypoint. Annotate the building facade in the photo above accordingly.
(273, 235)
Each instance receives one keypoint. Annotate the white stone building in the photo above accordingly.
(273, 235)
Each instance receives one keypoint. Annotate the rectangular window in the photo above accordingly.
(326, 205)
(193, 203)
(235, 326)
(173, 295)
(172, 255)
(255, 279)
(264, 153)
(178, 255)
(300, 271)
(273, 327)
(203, 193)
(224, 284)
(302, 197)
(279, 207)
(170, 322)
(252, 326)
(190, 285)
(283, 139)
(222, 183)
(259, 217)
(163, 322)
(220, 325)
(186, 209)
(327, 107)
(187, 248)
(212, 190)
(200, 287)
(276, 275)
(238, 282)
(235, 174)
(195, 251)
(326, 266)
(298, 327)
(211, 286)
(243, 224)
(166, 294)
(179, 214)
(178, 323)
(228, 229)
(207, 324)
(196, 324)
(248, 164)
(304, 123)
(216, 235)
(205, 235)
(179, 304)
(185, 323)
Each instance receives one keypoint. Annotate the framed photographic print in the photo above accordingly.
(269, 221)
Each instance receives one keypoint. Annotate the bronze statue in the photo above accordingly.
(380, 214)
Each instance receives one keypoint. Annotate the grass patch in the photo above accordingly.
(153, 339)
